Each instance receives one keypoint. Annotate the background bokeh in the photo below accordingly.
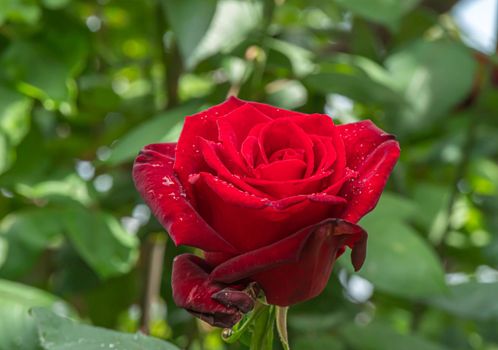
(85, 84)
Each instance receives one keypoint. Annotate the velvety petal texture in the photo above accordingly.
(271, 196)
(218, 304)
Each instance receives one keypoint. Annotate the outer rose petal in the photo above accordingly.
(161, 190)
(363, 192)
(249, 222)
(361, 139)
(215, 303)
(372, 153)
(298, 267)
(188, 159)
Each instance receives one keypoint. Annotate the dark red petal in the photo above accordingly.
(249, 222)
(252, 153)
(232, 131)
(234, 298)
(361, 139)
(325, 154)
(157, 183)
(210, 152)
(307, 277)
(290, 188)
(363, 192)
(337, 186)
(286, 154)
(283, 134)
(298, 267)
(316, 124)
(281, 170)
(340, 164)
(218, 304)
(246, 265)
(235, 126)
(189, 160)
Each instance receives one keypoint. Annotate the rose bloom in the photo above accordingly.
(270, 196)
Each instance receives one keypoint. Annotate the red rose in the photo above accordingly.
(271, 196)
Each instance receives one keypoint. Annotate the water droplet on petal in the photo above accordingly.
(167, 181)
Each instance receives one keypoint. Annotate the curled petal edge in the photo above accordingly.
(156, 181)
(288, 250)
(216, 303)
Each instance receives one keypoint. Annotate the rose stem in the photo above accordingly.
(155, 247)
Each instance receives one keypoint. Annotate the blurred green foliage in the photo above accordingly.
(85, 84)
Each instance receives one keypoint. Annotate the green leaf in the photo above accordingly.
(387, 12)
(3, 251)
(165, 127)
(430, 199)
(357, 78)
(20, 11)
(424, 73)
(317, 342)
(300, 59)
(58, 333)
(472, 300)
(98, 237)
(14, 114)
(62, 48)
(398, 260)
(55, 4)
(189, 30)
(25, 234)
(101, 241)
(17, 329)
(71, 187)
(288, 94)
(376, 336)
(5, 153)
(233, 21)
(14, 123)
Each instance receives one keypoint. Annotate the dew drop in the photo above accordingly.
(226, 333)
(167, 181)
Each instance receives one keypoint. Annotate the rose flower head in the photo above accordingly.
(271, 197)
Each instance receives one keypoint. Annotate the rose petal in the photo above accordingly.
(157, 183)
(286, 154)
(290, 188)
(282, 170)
(283, 134)
(298, 267)
(249, 222)
(324, 152)
(316, 124)
(311, 272)
(363, 192)
(216, 303)
(210, 152)
(235, 126)
(232, 130)
(252, 152)
(361, 139)
(189, 160)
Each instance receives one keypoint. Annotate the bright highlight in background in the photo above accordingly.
(477, 20)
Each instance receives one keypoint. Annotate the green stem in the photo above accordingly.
(231, 336)
(281, 321)
(259, 325)
(262, 336)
